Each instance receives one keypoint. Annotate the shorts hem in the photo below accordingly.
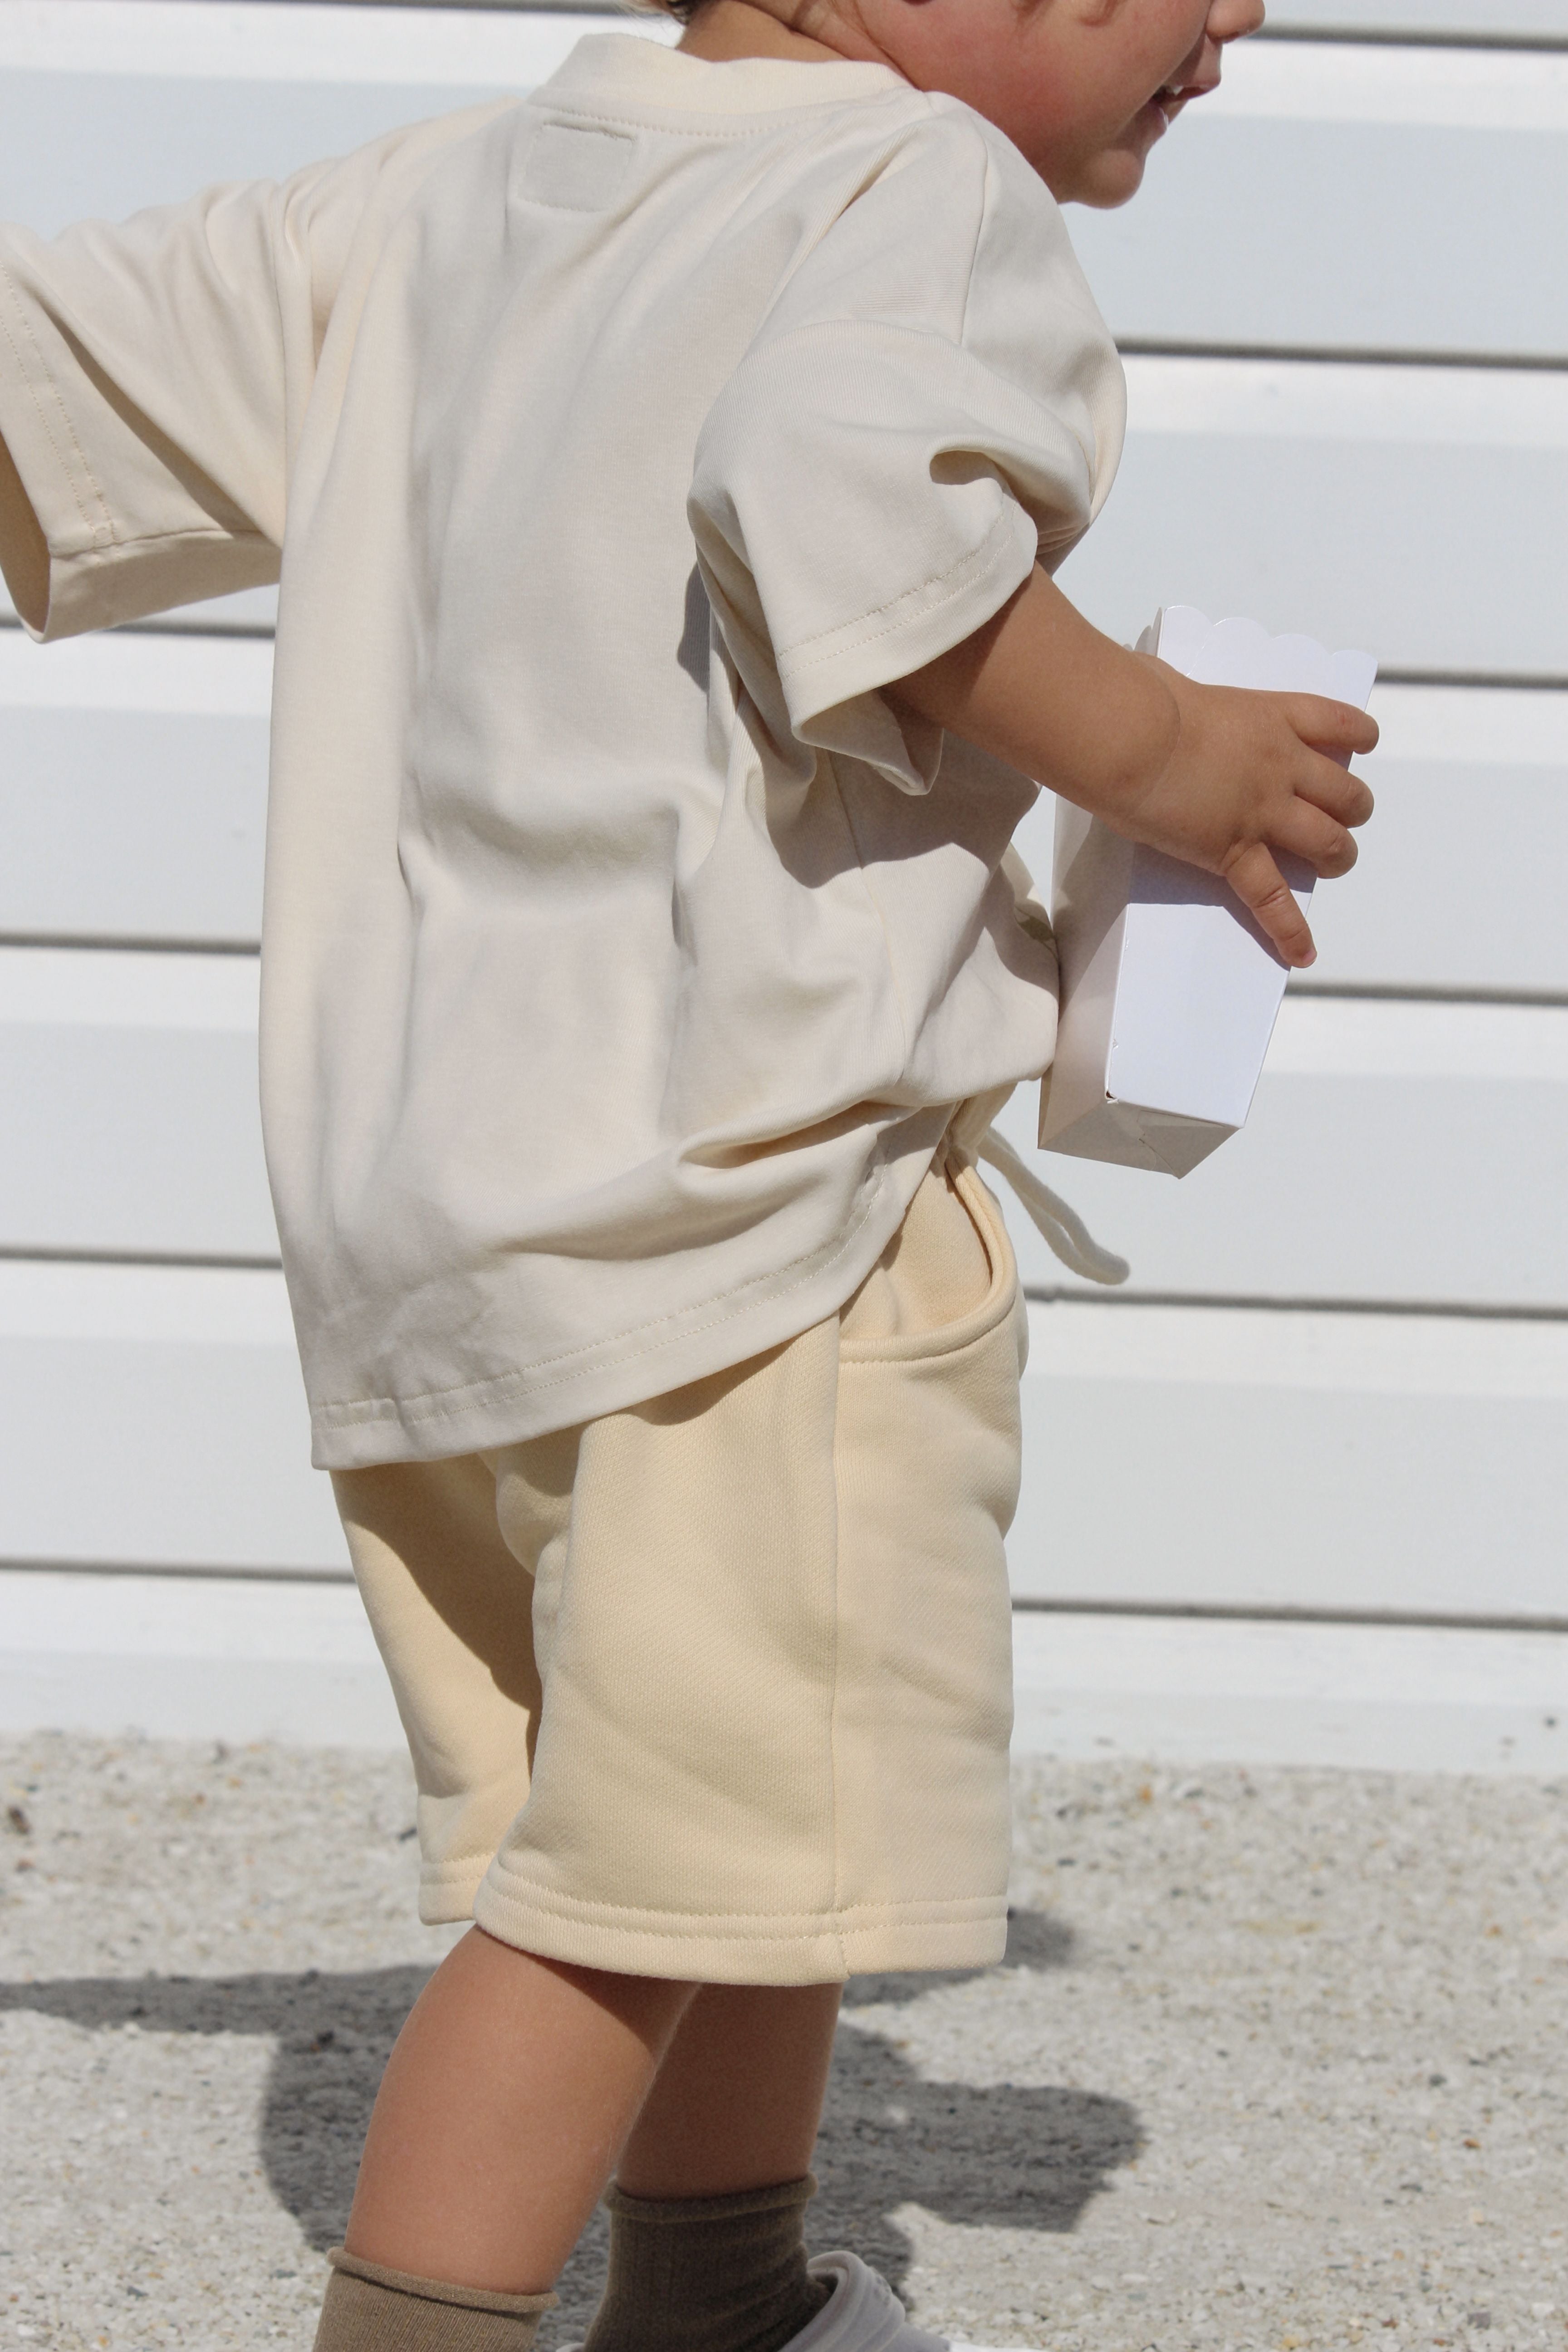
(446, 1894)
(763, 1948)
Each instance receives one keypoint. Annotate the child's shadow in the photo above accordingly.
(1005, 2154)
(1022, 2158)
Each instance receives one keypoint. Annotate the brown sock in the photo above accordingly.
(369, 2309)
(707, 2274)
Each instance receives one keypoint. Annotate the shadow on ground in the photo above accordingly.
(1009, 2155)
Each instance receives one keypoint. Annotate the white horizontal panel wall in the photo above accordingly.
(133, 788)
(1395, 1152)
(1418, 512)
(1276, 178)
(107, 105)
(154, 1415)
(1258, 1459)
(132, 1123)
(199, 1657)
(1481, 21)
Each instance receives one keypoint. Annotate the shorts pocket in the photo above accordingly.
(953, 1246)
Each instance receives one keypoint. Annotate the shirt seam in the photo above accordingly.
(755, 126)
(213, 533)
(969, 569)
(638, 1917)
(41, 379)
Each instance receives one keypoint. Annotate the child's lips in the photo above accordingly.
(1175, 95)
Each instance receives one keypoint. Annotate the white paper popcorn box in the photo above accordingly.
(1169, 989)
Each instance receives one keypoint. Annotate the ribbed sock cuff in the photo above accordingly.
(371, 2309)
(708, 2274)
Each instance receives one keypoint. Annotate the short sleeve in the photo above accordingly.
(153, 376)
(932, 407)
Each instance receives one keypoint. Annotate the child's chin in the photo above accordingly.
(1110, 179)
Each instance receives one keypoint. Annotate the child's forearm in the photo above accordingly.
(23, 555)
(1219, 776)
(1042, 688)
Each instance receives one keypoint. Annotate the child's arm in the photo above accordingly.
(1219, 776)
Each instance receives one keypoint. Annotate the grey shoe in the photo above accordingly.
(861, 2315)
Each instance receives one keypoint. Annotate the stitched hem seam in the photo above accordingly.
(436, 1404)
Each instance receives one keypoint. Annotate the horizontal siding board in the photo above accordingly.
(1416, 512)
(1182, 1456)
(1454, 887)
(1252, 227)
(1478, 20)
(1291, 266)
(119, 1140)
(77, 146)
(156, 1415)
(191, 1657)
(278, 41)
(133, 1118)
(131, 825)
(1409, 1153)
(1371, 1698)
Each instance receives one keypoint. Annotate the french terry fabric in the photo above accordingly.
(624, 955)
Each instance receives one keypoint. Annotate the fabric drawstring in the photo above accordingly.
(1063, 1228)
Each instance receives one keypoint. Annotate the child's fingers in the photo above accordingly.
(1337, 728)
(1263, 890)
(1334, 790)
(1308, 832)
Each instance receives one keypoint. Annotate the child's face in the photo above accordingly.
(1084, 87)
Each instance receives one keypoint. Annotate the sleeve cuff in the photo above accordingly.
(832, 684)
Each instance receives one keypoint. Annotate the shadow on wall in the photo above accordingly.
(1010, 2156)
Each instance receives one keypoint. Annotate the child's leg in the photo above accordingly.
(515, 2081)
(737, 2101)
(502, 2111)
(707, 2237)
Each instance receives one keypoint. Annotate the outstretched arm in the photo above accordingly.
(1222, 777)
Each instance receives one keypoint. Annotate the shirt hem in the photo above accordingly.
(531, 1399)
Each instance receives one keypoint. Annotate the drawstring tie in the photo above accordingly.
(1062, 1228)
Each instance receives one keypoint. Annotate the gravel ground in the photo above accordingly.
(1275, 2060)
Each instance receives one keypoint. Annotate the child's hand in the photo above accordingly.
(1220, 776)
(1249, 775)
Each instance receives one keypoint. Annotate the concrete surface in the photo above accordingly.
(1275, 2060)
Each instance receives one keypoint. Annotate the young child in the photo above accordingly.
(664, 475)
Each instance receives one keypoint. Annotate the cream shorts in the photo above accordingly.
(719, 1688)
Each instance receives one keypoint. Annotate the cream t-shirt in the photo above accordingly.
(624, 955)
